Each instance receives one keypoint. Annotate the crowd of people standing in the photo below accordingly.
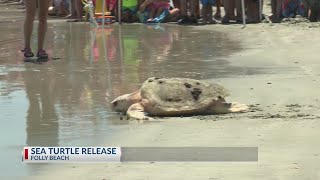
(157, 11)
(189, 11)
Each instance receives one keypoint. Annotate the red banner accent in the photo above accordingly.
(25, 154)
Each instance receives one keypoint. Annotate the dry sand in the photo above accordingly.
(284, 122)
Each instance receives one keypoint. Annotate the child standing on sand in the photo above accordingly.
(31, 8)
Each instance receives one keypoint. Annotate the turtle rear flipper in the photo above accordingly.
(136, 111)
(237, 107)
(234, 107)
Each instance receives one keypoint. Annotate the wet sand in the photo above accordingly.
(283, 124)
(274, 69)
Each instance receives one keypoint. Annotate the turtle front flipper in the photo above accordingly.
(136, 111)
(224, 108)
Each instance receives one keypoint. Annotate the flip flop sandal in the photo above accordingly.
(42, 54)
(27, 52)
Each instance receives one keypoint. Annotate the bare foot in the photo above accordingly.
(150, 20)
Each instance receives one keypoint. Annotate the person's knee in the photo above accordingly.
(31, 16)
(31, 13)
(42, 18)
(175, 12)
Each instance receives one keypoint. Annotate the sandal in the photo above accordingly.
(27, 52)
(42, 54)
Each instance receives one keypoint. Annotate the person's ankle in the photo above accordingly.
(42, 53)
(41, 50)
(26, 49)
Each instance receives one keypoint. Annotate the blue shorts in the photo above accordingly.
(208, 2)
(291, 8)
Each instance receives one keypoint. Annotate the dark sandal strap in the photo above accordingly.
(42, 54)
(27, 52)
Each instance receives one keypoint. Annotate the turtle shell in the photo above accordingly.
(180, 96)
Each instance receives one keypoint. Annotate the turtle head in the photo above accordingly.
(122, 103)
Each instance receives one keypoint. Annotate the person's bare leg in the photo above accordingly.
(152, 13)
(78, 6)
(174, 13)
(184, 9)
(184, 12)
(218, 12)
(257, 11)
(42, 17)
(72, 10)
(31, 7)
(62, 9)
(278, 9)
(193, 8)
(314, 14)
(159, 11)
(239, 11)
(273, 9)
(232, 9)
(193, 11)
(254, 13)
(227, 7)
(249, 12)
(204, 14)
(211, 20)
(197, 8)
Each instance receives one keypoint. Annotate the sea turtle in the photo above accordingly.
(175, 97)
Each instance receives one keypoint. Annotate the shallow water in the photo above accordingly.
(64, 102)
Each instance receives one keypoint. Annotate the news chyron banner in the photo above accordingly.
(70, 154)
(138, 154)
